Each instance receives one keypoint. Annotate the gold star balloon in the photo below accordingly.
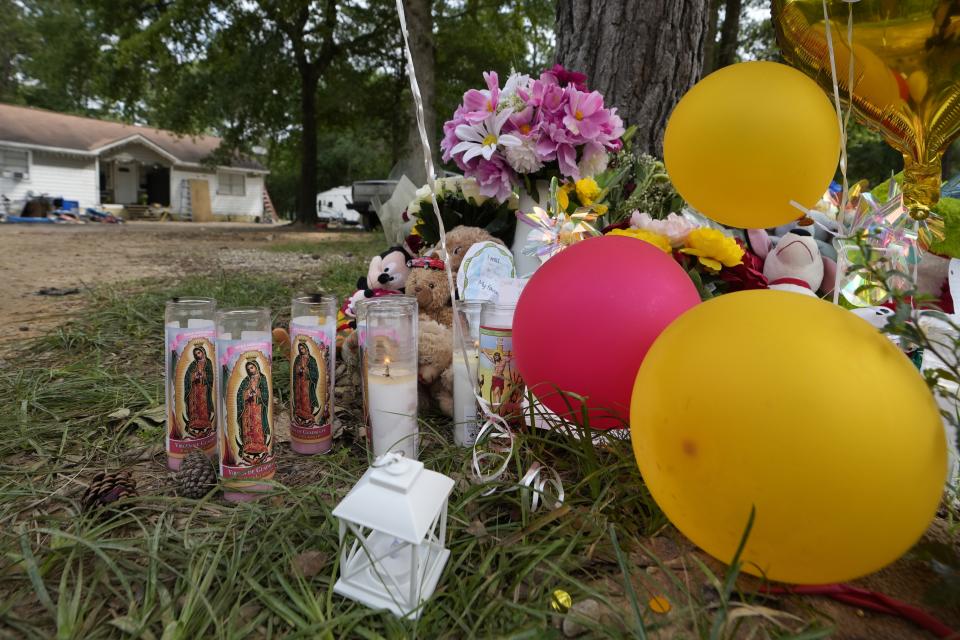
(906, 79)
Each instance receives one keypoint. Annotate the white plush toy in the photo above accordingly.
(795, 263)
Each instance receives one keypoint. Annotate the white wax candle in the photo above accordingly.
(464, 401)
(392, 401)
(199, 323)
(306, 321)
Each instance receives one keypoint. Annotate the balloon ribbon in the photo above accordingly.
(871, 600)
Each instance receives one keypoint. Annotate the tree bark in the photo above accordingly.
(643, 55)
(419, 14)
(729, 33)
(307, 191)
(710, 45)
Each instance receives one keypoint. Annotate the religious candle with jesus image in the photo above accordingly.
(499, 380)
(190, 384)
(246, 413)
(312, 339)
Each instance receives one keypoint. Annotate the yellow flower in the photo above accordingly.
(563, 196)
(416, 229)
(600, 209)
(713, 248)
(587, 191)
(659, 241)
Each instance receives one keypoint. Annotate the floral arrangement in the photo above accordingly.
(714, 260)
(530, 129)
(461, 203)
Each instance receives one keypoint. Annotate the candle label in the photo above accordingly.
(191, 391)
(500, 382)
(311, 383)
(246, 439)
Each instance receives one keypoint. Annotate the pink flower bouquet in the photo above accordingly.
(530, 129)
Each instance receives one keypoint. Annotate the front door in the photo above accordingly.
(127, 183)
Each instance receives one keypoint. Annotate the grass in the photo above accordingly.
(89, 397)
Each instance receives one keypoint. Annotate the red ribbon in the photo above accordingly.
(871, 600)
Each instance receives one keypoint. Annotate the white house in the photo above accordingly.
(98, 162)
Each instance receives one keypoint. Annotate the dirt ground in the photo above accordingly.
(41, 263)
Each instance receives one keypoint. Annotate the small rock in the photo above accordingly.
(315, 256)
(582, 616)
(652, 571)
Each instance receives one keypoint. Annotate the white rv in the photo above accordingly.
(333, 206)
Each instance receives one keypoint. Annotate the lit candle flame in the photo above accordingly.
(387, 363)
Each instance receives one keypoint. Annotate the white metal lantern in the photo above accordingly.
(393, 527)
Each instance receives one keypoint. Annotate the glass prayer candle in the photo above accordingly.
(466, 340)
(389, 359)
(313, 340)
(189, 370)
(499, 379)
(244, 352)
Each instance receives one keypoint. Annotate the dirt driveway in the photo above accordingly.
(40, 263)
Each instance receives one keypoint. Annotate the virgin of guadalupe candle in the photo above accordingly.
(499, 380)
(313, 338)
(466, 340)
(244, 351)
(389, 357)
(190, 385)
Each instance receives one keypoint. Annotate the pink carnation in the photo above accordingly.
(494, 178)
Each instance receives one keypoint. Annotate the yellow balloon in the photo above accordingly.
(748, 139)
(801, 409)
(906, 78)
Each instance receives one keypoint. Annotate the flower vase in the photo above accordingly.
(525, 264)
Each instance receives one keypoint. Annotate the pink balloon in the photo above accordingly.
(586, 319)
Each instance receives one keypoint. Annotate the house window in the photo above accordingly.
(14, 163)
(231, 184)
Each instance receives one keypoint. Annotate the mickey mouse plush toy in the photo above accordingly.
(388, 270)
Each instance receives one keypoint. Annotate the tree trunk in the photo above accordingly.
(307, 198)
(710, 46)
(642, 55)
(419, 15)
(729, 34)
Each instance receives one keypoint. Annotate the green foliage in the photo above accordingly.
(646, 187)
(868, 156)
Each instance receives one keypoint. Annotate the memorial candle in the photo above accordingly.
(388, 329)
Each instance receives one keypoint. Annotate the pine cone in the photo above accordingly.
(197, 475)
(107, 488)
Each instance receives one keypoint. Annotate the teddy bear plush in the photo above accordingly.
(435, 360)
(427, 282)
(460, 239)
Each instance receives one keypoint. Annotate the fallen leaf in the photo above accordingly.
(120, 414)
(477, 528)
(309, 563)
(157, 414)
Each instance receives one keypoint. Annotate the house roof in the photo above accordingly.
(40, 128)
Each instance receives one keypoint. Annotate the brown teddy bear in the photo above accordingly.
(427, 282)
(460, 239)
(435, 359)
